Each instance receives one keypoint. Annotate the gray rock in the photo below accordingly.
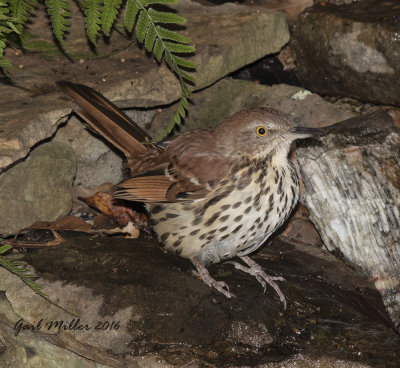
(352, 180)
(38, 188)
(224, 36)
(351, 50)
(96, 163)
(26, 120)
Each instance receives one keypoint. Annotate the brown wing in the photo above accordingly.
(188, 169)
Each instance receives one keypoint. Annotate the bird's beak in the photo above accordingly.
(304, 132)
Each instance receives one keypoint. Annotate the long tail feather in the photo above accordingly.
(107, 119)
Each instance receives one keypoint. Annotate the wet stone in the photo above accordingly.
(163, 309)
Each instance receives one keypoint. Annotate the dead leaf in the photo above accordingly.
(68, 223)
(81, 191)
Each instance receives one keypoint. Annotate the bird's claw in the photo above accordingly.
(257, 271)
(205, 276)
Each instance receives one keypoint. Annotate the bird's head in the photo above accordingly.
(259, 131)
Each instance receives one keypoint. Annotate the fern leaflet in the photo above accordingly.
(58, 11)
(167, 34)
(8, 24)
(164, 17)
(92, 10)
(110, 11)
(131, 11)
(20, 10)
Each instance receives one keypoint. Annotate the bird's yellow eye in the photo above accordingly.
(261, 131)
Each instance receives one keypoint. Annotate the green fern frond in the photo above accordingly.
(20, 10)
(14, 265)
(58, 11)
(109, 14)
(92, 10)
(165, 43)
(8, 24)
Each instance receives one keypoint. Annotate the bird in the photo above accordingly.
(212, 194)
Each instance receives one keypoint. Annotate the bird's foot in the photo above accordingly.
(257, 271)
(203, 273)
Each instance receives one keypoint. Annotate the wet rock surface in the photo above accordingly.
(166, 314)
(352, 180)
(351, 50)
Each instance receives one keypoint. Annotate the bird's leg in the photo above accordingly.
(203, 273)
(256, 270)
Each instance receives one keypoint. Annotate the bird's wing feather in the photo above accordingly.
(144, 189)
(185, 171)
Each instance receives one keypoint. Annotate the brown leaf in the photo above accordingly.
(68, 223)
(81, 191)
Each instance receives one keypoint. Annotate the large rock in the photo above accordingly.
(31, 107)
(352, 179)
(38, 188)
(351, 50)
(151, 312)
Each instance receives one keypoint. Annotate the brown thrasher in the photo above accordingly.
(212, 194)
